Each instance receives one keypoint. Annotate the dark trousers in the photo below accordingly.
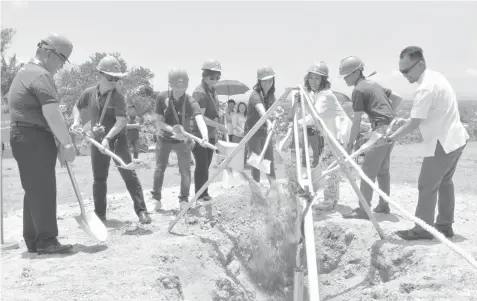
(35, 151)
(100, 163)
(436, 187)
(134, 143)
(256, 144)
(163, 150)
(203, 158)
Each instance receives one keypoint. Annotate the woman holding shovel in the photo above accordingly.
(208, 101)
(262, 97)
(336, 120)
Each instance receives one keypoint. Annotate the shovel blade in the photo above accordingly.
(254, 160)
(225, 149)
(265, 166)
(92, 226)
(317, 180)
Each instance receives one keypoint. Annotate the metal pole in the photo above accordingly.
(5, 245)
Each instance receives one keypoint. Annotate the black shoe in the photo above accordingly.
(412, 234)
(356, 214)
(54, 248)
(32, 250)
(382, 208)
(144, 218)
(446, 230)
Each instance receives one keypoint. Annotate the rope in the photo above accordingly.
(385, 197)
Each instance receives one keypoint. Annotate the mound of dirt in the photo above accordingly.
(247, 252)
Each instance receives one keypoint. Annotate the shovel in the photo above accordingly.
(89, 222)
(374, 137)
(257, 161)
(131, 166)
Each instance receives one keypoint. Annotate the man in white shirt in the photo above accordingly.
(435, 111)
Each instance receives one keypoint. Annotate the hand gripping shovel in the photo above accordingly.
(258, 161)
(131, 166)
(374, 137)
(89, 222)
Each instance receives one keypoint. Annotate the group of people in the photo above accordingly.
(39, 135)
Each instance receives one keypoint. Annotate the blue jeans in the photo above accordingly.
(183, 151)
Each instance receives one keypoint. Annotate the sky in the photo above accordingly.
(243, 35)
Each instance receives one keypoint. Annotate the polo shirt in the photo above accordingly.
(91, 100)
(163, 108)
(31, 89)
(253, 115)
(435, 101)
(207, 99)
(371, 98)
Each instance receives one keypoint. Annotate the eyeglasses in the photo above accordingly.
(214, 78)
(407, 70)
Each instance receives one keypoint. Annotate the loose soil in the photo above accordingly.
(246, 252)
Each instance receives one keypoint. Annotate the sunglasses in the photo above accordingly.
(214, 78)
(407, 70)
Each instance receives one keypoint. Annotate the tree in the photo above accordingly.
(9, 66)
(135, 85)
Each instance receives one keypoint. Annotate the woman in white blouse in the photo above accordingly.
(238, 124)
(335, 119)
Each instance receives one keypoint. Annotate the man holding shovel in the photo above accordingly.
(379, 104)
(37, 126)
(107, 107)
(174, 110)
(435, 112)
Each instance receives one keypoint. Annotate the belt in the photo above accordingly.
(29, 125)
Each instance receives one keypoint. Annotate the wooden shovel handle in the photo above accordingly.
(269, 137)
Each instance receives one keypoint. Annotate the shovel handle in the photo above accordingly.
(107, 151)
(76, 188)
(197, 139)
(269, 137)
(285, 139)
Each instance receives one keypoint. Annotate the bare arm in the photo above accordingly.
(410, 125)
(55, 120)
(261, 110)
(76, 115)
(202, 126)
(355, 128)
